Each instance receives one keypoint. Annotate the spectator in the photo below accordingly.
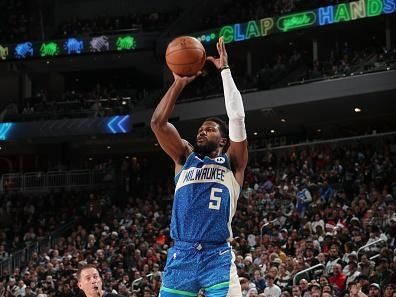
(90, 282)
(304, 198)
(338, 279)
(259, 281)
(271, 289)
(296, 291)
(375, 290)
(366, 266)
(352, 274)
(388, 292)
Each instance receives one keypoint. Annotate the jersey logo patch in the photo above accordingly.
(223, 252)
(220, 160)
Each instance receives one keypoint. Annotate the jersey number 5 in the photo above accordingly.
(215, 200)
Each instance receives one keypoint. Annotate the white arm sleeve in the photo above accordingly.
(234, 107)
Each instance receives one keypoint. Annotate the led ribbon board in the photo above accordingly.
(99, 44)
(23, 50)
(72, 46)
(49, 49)
(125, 43)
(3, 52)
(327, 15)
(118, 124)
(4, 129)
(332, 14)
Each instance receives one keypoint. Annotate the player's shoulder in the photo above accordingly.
(188, 149)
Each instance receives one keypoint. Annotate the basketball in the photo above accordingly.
(185, 55)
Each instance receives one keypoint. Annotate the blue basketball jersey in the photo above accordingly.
(205, 200)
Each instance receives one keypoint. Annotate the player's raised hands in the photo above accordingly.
(222, 60)
(185, 80)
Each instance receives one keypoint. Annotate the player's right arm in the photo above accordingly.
(167, 135)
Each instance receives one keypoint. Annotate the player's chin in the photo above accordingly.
(200, 143)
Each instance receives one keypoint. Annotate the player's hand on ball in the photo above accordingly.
(185, 80)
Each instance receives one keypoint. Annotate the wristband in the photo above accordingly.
(224, 67)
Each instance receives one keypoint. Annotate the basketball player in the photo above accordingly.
(90, 282)
(208, 180)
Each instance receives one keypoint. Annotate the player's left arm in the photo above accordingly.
(238, 150)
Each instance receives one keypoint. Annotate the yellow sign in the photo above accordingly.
(3, 52)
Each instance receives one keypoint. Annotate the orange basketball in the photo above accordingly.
(185, 55)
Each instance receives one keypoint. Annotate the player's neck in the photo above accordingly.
(211, 155)
(216, 153)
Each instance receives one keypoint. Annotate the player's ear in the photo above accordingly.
(223, 141)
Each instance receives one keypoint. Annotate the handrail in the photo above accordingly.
(138, 280)
(23, 255)
(306, 270)
(265, 225)
(317, 142)
(370, 244)
(375, 257)
(45, 181)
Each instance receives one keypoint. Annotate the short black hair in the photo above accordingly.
(223, 127)
(86, 266)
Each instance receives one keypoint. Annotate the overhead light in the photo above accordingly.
(90, 158)
(283, 120)
(255, 133)
(108, 147)
(272, 131)
(127, 157)
(124, 102)
(318, 130)
(357, 109)
(155, 144)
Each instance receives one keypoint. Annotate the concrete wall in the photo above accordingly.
(322, 90)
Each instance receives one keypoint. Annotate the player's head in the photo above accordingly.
(89, 280)
(212, 135)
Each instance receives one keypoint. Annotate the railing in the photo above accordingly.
(138, 280)
(45, 181)
(370, 244)
(332, 140)
(23, 256)
(265, 225)
(307, 270)
(375, 257)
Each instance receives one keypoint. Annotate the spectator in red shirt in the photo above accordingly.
(338, 278)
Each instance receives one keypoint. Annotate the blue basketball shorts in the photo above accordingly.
(194, 266)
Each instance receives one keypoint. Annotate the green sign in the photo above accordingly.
(322, 16)
(125, 43)
(49, 49)
(297, 20)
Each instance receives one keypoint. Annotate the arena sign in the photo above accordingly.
(73, 46)
(118, 124)
(322, 16)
